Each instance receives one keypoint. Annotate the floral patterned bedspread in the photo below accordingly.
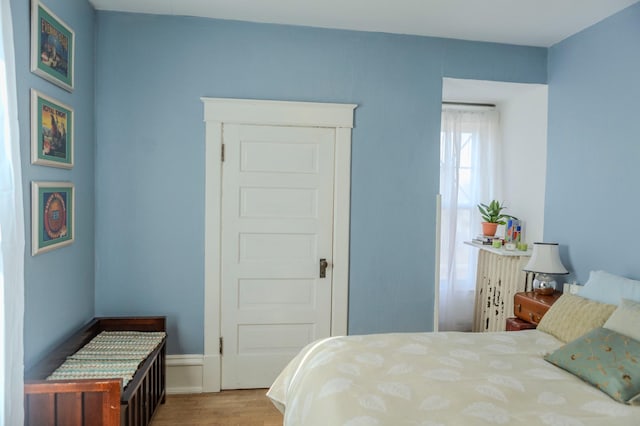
(430, 379)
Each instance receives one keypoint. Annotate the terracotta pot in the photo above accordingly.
(489, 229)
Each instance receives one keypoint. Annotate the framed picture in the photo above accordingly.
(52, 215)
(51, 132)
(52, 46)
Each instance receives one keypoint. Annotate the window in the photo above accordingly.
(469, 152)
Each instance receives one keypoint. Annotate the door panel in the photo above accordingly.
(279, 157)
(277, 221)
(279, 203)
(276, 294)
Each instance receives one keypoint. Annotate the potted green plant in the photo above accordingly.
(492, 216)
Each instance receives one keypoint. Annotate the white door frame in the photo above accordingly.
(219, 111)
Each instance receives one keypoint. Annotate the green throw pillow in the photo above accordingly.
(605, 359)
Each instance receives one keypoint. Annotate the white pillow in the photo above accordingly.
(609, 288)
(625, 319)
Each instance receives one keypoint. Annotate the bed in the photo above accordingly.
(454, 378)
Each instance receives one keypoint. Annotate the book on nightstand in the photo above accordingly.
(483, 239)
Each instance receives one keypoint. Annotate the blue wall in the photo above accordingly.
(59, 285)
(151, 73)
(149, 164)
(592, 198)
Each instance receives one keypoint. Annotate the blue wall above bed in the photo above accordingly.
(593, 199)
(151, 73)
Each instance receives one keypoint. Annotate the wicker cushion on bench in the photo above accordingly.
(110, 354)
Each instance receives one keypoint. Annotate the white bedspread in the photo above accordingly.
(439, 379)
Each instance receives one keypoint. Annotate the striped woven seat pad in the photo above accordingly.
(96, 369)
(120, 345)
(111, 354)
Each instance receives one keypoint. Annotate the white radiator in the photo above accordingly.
(498, 279)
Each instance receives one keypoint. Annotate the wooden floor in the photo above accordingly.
(226, 408)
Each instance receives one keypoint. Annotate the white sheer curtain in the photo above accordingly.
(470, 156)
(11, 235)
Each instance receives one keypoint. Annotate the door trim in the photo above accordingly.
(220, 111)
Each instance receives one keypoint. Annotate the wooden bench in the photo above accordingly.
(88, 402)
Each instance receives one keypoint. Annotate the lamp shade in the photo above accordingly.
(545, 259)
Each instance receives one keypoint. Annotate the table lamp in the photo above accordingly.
(545, 262)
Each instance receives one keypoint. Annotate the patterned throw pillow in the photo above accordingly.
(572, 316)
(605, 359)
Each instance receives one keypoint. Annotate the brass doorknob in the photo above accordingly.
(323, 268)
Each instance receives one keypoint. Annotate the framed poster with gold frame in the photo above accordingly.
(51, 132)
(52, 215)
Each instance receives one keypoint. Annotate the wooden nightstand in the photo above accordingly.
(529, 308)
(517, 324)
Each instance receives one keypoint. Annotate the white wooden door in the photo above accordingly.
(276, 225)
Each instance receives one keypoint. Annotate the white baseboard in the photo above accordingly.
(184, 374)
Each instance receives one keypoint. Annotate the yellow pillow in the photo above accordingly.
(573, 316)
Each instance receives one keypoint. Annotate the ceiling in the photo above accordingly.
(523, 22)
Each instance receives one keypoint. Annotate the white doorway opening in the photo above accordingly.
(523, 123)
